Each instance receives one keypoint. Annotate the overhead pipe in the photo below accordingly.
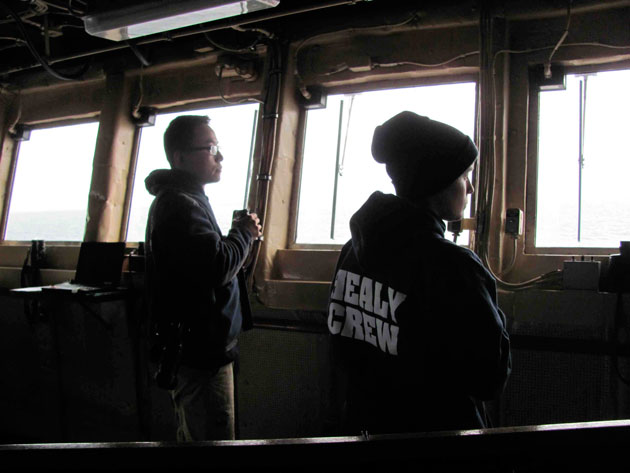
(485, 131)
(270, 113)
(487, 152)
(265, 15)
(41, 60)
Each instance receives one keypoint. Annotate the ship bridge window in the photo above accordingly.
(582, 162)
(235, 127)
(338, 171)
(51, 185)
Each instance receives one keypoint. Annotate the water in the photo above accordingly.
(603, 226)
(65, 225)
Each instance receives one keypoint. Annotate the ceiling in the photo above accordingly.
(47, 37)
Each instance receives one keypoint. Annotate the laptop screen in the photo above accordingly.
(100, 263)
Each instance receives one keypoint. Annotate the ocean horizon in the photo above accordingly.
(602, 227)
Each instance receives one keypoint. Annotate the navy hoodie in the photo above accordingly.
(193, 272)
(419, 340)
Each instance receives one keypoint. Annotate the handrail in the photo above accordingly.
(587, 446)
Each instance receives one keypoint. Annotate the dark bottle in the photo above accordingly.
(619, 269)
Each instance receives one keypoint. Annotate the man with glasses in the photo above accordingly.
(195, 285)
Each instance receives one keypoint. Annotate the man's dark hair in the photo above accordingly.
(180, 133)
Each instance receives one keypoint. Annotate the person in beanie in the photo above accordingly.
(419, 342)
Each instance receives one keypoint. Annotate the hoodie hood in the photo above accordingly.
(386, 226)
(161, 179)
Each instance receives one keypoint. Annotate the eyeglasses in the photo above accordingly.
(212, 149)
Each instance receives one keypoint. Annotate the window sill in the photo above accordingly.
(296, 295)
(304, 265)
(300, 279)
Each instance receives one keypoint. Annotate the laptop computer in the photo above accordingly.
(99, 267)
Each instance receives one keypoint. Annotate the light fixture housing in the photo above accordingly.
(164, 15)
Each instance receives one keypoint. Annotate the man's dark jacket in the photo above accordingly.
(193, 272)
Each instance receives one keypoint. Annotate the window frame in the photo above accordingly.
(4, 216)
(532, 161)
(185, 109)
(445, 79)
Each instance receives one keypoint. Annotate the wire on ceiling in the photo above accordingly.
(547, 66)
(246, 49)
(222, 94)
(300, 83)
(35, 53)
(73, 11)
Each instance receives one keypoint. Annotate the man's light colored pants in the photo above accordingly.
(204, 404)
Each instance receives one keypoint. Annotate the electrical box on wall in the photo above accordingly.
(233, 66)
(582, 275)
(20, 132)
(315, 98)
(514, 222)
(548, 77)
(144, 116)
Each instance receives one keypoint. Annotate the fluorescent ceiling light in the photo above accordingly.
(158, 16)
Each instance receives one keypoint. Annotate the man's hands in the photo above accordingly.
(248, 222)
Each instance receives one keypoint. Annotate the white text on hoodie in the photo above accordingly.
(366, 310)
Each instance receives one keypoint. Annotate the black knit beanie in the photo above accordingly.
(422, 156)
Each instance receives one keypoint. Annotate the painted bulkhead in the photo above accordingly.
(76, 372)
